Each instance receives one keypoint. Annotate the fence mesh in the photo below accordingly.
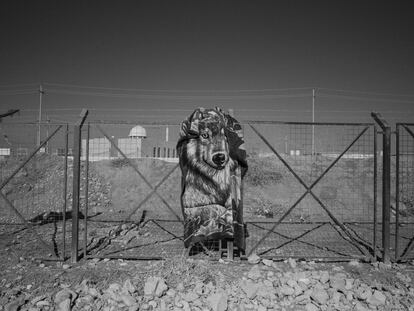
(336, 163)
(33, 203)
(126, 217)
(403, 211)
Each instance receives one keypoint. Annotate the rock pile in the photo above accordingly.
(264, 285)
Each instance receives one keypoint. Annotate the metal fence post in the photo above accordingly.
(397, 192)
(77, 139)
(386, 184)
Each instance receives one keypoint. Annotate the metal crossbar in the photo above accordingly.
(352, 240)
(29, 157)
(12, 207)
(297, 238)
(154, 190)
(28, 225)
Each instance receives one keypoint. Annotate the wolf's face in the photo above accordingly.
(213, 146)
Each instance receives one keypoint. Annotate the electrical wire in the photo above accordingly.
(368, 99)
(367, 93)
(174, 90)
(124, 95)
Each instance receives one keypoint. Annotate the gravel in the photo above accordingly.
(261, 286)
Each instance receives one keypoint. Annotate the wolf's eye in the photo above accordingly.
(204, 135)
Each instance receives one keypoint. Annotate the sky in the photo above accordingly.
(155, 61)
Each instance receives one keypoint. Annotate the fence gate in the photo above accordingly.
(33, 191)
(132, 187)
(404, 208)
(311, 190)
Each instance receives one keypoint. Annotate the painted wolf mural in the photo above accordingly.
(213, 162)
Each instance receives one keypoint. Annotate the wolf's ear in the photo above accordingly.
(196, 115)
(189, 127)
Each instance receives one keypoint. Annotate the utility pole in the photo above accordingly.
(47, 133)
(40, 114)
(313, 121)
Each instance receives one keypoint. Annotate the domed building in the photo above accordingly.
(132, 146)
(137, 132)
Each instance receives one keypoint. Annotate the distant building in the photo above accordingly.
(102, 148)
(132, 146)
(4, 153)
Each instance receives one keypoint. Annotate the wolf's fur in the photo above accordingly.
(206, 195)
(206, 183)
(213, 162)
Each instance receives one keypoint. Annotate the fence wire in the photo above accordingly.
(315, 194)
(403, 211)
(33, 206)
(117, 228)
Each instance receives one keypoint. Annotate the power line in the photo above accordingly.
(194, 96)
(368, 93)
(18, 92)
(368, 99)
(174, 90)
(18, 85)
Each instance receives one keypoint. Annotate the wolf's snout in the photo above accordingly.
(219, 159)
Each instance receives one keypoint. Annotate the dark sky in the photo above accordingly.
(182, 46)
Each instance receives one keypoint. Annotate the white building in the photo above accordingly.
(132, 146)
(101, 149)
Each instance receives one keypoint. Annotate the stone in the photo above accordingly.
(320, 296)
(292, 263)
(15, 304)
(190, 297)
(253, 259)
(364, 294)
(254, 273)
(292, 283)
(311, 307)
(129, 287)
(360, 307)
(349, 284)
(338, 284)
(42, 303)
(64, 305)
(155, 286)
(377, 299)
(218, 301)
(336, 296)
(93, 292)
(186, 306)
(250, 288)
(63, 295)
(180, 287)
(302, 299)
(171, 292)
(286, 290)
(37, 299)
(153, 304)
(324, 277)
(127, 299)
(354, 263)
(267, 262)
(65, 266)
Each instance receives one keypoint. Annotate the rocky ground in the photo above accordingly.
(188, 284)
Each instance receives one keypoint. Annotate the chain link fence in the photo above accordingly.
(33, 184)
